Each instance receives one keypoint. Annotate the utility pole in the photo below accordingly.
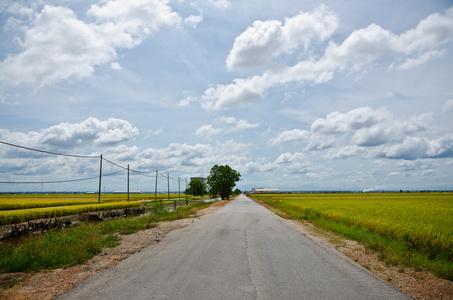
(100, 178)
(187, 199)
(127, 182)
(168, 180)
(179, 185)
(155, 188)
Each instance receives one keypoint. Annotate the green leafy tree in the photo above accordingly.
(196, 187)
(222, 180)
(237, 192)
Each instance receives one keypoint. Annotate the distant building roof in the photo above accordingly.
(261, 190)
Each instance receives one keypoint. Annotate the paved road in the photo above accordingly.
(242, 251)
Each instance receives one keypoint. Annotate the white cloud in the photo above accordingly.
(89, 133)
(18, 8)
(220, 4)
(193, 21)
(239, 125)
(126, 23)
(115, 66)
(293, 163)
(345, 152)
(193, 158)
(448, 106)
(362, 117)
(227, 120)
(414, 165)
(263, 40)
(390, 129)
(187, 100)
(92, 135)
(369, 132)
(320, 142)
(58, 45)
(290, 136)
(413, 148)
(207, 131)
(243, 124)
(422, 59)
(267, 39)
(234, 125)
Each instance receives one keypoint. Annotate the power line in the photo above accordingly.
(143, 173)
(59, 181)
(48, 152)
(125, 168)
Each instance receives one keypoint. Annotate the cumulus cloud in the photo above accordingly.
(370, 132)
(115, 66)
(345, 152)
(93, 136)
(413, 148)
(89, 133)
(187, 100)
(293, 163)
(448, 106)
(220, 4)
(179, 157)
(422, 59)
(207, 131)
(90, 137)
(237, 125)
(58, 45)
(290, 136)
(414, 165)
(362, 117)
(267, 39)
(243, 125)
(193, 21)
(368, 127)
(233, 125)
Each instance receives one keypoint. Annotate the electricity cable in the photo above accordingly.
(59, 181)
(48, 152)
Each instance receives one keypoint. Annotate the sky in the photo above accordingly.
(294, 95)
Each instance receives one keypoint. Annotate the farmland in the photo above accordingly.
(412, 228)
(22, 201)
(25, 207)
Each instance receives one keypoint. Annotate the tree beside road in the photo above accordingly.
(222, 180)
(196, 187)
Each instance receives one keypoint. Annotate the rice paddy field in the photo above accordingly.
(27, 201)
(418, 224)
(16, 208)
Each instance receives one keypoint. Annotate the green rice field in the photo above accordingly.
(418, 222)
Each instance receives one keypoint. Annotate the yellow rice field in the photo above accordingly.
(28, 201)
(423, 221)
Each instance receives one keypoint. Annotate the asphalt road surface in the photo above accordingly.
(243, 251)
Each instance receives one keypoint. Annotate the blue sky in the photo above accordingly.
(295, 95)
